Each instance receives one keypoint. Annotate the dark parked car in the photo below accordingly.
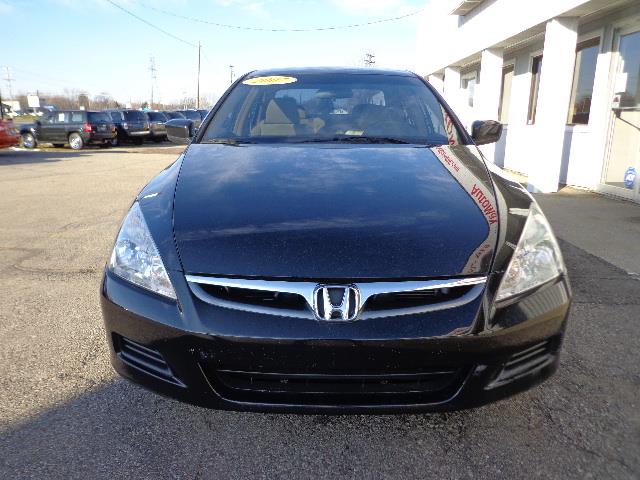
(9, 136)
(132, 125)
(75, 127)
(333, 241)
(171, 115)
(190, 121)
(193, 115)
(158, 131)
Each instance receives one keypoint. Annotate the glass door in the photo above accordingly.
(621, 174)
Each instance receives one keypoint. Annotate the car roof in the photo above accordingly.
(330, 71)
(70, 110)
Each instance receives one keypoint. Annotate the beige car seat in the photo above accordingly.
(280, 118)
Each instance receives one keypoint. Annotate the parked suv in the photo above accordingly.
(156, 126)
(193, 115)
(75, 127)
(173, 114)
(132, 125)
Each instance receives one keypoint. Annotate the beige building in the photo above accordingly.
(563, 76)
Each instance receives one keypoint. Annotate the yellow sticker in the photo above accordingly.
(272, 80)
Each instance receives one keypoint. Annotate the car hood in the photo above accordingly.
(334, 212)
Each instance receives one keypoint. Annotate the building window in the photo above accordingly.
(584, 74)
(505, 94)
(468, 84)
(536, 70)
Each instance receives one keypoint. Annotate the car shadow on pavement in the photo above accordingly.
(119, 428)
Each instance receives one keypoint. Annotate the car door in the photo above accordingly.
(53, 130)
(44, 127)
(58, 129)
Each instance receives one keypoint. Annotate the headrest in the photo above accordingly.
(282, 110)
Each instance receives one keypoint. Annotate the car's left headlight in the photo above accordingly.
(135, 256)
(536, 260)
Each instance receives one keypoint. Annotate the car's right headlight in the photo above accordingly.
(135, 256)
(536, 260)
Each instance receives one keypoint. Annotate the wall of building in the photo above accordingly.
(489, 24)
(584, 147)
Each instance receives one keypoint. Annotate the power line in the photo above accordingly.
(153, 70)
(175, 37)
(259, 29)
(9, 80)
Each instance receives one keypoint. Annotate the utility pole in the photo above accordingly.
(369, 59)
(231, 73)
(152, 69)
(8, 79)
(198, 91)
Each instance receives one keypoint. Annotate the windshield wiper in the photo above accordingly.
(226, 141)
(357, 139)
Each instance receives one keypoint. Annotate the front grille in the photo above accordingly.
(144, 359)
(426, 386)
(271, 299)
(367, 300)
(417, 298)
(526, 362)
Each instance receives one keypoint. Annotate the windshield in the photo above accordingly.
(174, 115)
(157, 116)
(363, 108)
(135, 116)
(98, 117)
(191, 114)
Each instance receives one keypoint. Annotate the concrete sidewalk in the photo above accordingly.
(602, 226)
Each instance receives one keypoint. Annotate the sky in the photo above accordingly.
(93, 45)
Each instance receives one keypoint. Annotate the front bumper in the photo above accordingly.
(258, 367)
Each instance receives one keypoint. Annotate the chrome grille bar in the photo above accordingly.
(306, 290)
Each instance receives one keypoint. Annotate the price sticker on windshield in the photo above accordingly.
(271, 80)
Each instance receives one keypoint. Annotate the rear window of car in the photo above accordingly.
(116, 116)
(98, 117)
(134, 116)
(157, 116)
(381, 108)
(191, 114)
(174, 115)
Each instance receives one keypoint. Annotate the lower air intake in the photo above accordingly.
(526, 362)
(427, 386)
(144, 359)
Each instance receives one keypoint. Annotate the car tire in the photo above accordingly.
(114, 142)
(158, 139)
(137, 141)
(28, 140)
(75, 141)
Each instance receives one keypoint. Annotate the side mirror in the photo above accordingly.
(486, 131)
(180, 130)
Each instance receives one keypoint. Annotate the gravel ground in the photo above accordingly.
(65, 414)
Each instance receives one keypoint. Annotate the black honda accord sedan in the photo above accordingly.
(332, 240)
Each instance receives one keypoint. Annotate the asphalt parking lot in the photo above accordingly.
(65, 414)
